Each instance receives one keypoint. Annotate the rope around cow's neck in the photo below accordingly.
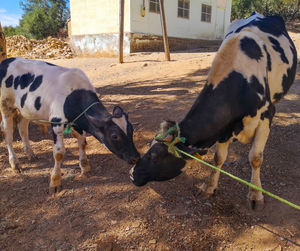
(69, 125)
(177, 139)
(175, 151)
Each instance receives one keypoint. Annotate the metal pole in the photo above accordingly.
(164, 29)
(121, 33)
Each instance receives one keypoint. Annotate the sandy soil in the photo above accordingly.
(107, 212)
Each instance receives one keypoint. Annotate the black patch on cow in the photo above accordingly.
(288, 79)
(228, 34)
(222, 109)
(36, 83)
(251, 48)
(37, 103)
(269, 61)
(17, 82)
(23, 81)
(9, 81)
(23, 99)
(278, 96)
(54, 137)
(55, 122)
(276, 46)
(3, 68)
(273, 25)
(26, 80)
(76, 102)
(256, 85)
(50, 64)
(268, 96)
(268, 114)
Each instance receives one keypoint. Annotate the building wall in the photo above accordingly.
(90, 17)
(95, 25)
(191, 28)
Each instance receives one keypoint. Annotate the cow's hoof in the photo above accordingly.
(54, 190)
(16, 169)
(206, 192)
(256, 205)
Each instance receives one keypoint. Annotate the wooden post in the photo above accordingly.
(3, 54)
(121, 33)
(164, 29)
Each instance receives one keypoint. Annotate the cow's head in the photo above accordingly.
(116, 133)
(158, 164)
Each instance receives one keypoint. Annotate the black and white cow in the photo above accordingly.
(253, 69)
(43, 91)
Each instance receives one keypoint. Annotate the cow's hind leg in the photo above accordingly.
(23, 131)
(255, 197)
(7, 125)
(58, 154)
(83, 161)
(209, 187)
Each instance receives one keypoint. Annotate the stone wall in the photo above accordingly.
(108, 44)
(143, 42)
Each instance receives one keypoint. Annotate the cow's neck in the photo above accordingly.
(77, 102)
(212, 118)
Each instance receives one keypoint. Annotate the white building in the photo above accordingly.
(190, 24)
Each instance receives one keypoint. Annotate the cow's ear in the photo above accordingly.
(164, 127)
(118, 112)
(191, 150)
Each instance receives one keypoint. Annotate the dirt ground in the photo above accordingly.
(107, 212)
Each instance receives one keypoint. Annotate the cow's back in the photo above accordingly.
(36, 87)
(275, 47)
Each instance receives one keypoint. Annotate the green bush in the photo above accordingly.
(42, 18)
(288, 9)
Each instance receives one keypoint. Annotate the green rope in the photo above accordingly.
(175, 151)
(241, 180)
(177, 139)
(69, 125)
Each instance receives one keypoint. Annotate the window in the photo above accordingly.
(184, 8)
(206, 13)
(154, 6)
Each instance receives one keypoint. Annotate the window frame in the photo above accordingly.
(156, 4)
(205, 15)
(184, 10)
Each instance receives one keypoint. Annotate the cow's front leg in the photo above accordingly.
(23, 131)
(211, 184)
(8, 129)
(58, 154)
(255, 197)
(83, 161)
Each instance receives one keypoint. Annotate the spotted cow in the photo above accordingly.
(42, 91)
(252, 70)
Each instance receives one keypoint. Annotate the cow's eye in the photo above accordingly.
(115, 136)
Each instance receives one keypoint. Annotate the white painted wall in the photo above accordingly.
(91, 17)
(181, 27)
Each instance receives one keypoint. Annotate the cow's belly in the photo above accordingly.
(34, 107)
(250, 125)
